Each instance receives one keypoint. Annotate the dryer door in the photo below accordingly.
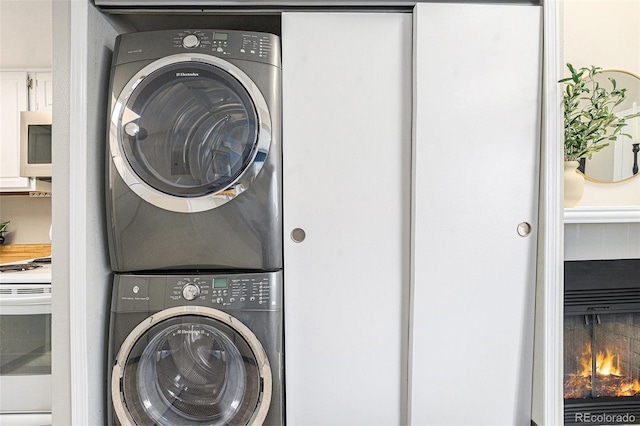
(188, 133)
(191, 365)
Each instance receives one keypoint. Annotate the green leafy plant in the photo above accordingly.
(3, 227)
(589, 120)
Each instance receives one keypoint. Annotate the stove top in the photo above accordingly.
(26, 271)
(19, 267)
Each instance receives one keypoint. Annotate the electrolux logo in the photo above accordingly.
(187, 74)
(182, 331)
(604, 418)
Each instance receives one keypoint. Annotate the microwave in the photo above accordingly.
(35, 143)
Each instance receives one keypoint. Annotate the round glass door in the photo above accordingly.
(189, 128)
(190, 369)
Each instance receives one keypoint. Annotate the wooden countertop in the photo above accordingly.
(17, 252)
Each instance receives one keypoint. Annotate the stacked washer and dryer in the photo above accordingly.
(194, 214)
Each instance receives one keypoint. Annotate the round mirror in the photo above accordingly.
(619, 160)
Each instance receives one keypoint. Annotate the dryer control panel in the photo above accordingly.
(248, 45)
(228, 44)
(255, 291)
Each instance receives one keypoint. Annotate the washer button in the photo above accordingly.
(190, 291)
(190, 41)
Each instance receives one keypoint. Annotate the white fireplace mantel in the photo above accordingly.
(602, 214)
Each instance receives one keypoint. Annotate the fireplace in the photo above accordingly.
(602, 342)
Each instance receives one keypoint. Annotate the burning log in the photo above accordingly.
(611, 385)
(578, 386)
(609, 380)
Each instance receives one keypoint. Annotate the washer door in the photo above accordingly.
(188, 133)
(191, 365)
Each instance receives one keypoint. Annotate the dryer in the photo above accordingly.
(196, 349)
(194, 163)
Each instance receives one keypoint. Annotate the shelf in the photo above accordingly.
(602, 214)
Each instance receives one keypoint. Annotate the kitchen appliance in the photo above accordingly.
(193, 157)
(197, 349)
(25, 343)
(35, 143)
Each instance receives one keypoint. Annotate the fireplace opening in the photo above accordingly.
(602, 342)
(602, 356)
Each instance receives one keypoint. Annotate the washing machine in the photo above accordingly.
(194, 162)
(193, 349)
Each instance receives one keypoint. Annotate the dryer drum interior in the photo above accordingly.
(192, 369)
(189, 136)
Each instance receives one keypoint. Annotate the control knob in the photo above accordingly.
(190, 41)
(190, 291)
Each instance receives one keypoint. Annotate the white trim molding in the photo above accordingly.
(548, 403)
(77, 213)
(602, 214)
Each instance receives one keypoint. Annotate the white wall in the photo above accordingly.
(604, 33)
(25, 33)
(26, 49)
(30, 219)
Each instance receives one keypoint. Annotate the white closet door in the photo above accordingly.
(476, 149)
(346, 145)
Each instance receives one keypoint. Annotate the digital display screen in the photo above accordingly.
(219, 283)
(220, 36)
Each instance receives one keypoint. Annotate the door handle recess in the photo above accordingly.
(298, 235)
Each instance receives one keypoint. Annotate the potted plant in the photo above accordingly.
(589, 123)
(3, 228)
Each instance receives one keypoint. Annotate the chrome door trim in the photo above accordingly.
(206, 202)
(264, 367)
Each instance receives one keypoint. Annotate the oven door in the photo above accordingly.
(25, 354)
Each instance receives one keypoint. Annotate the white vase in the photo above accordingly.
(573, 184)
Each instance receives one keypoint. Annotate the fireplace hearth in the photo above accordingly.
(602, 342)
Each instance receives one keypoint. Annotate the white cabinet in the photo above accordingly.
(13, 99)
(20, 91)
(346, 146)
(477, 142)
(40, 91)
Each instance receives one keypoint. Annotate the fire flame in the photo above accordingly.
(610, 380)
(607, 364)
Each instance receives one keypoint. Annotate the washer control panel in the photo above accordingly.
(243, 291)
(252, 291)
